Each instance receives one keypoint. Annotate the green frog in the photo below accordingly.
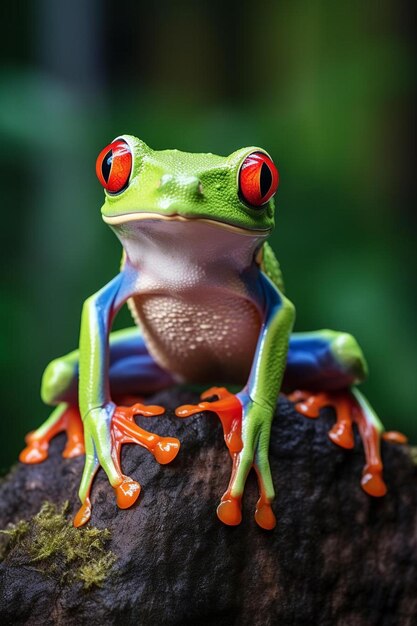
(207, 297)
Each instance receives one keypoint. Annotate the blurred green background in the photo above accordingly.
(327, 88)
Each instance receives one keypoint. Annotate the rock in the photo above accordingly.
(337, 557)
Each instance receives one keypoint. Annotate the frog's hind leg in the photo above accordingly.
(59, 387)
(327, 365)
(132, 371)
(65, 418)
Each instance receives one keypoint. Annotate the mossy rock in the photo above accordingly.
(50, 543)
(336, 558)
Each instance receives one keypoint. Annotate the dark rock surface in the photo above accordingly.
(337, 557)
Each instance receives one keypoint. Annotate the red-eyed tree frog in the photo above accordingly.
(207, 298)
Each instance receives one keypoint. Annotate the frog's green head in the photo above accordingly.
(234, 192)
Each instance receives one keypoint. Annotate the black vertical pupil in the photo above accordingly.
(106, 165)
(265, 179)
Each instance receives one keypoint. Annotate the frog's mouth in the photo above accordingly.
(118, 220)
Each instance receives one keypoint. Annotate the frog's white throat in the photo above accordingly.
(186, 245)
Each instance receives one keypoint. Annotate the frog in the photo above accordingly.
(207, 298)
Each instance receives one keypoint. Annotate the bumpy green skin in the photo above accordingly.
(190, 185)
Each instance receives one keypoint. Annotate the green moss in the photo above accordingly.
(16, 531)
(13, 534)
(95, 572)
(50, 542)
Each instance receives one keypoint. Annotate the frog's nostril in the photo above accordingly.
(190, 183)
(166, 180)
(195, 187)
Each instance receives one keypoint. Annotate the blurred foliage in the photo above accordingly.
(327, 88)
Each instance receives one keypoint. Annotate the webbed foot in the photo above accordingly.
(351, 407)
(63, 419)
(232, 411)
(103, 447)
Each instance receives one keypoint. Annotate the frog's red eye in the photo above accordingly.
(113, 166)
(258, 179)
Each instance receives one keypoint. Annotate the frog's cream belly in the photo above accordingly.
(210, 337)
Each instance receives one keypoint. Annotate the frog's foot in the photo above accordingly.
(310, 404)
(63, 419)
(227, 407)
(230, 409)
(123, 429)
(351, 407)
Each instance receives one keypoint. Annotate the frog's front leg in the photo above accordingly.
(247, 417)
(107, 427)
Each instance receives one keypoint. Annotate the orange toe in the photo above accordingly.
(373, 484)
(341, 434)
(127, 493)
(166, 450)
(83, 514)
(393, 436)
(186, 410)
(35, 452)
(229, 511)
(264, 516)
(308, 409)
